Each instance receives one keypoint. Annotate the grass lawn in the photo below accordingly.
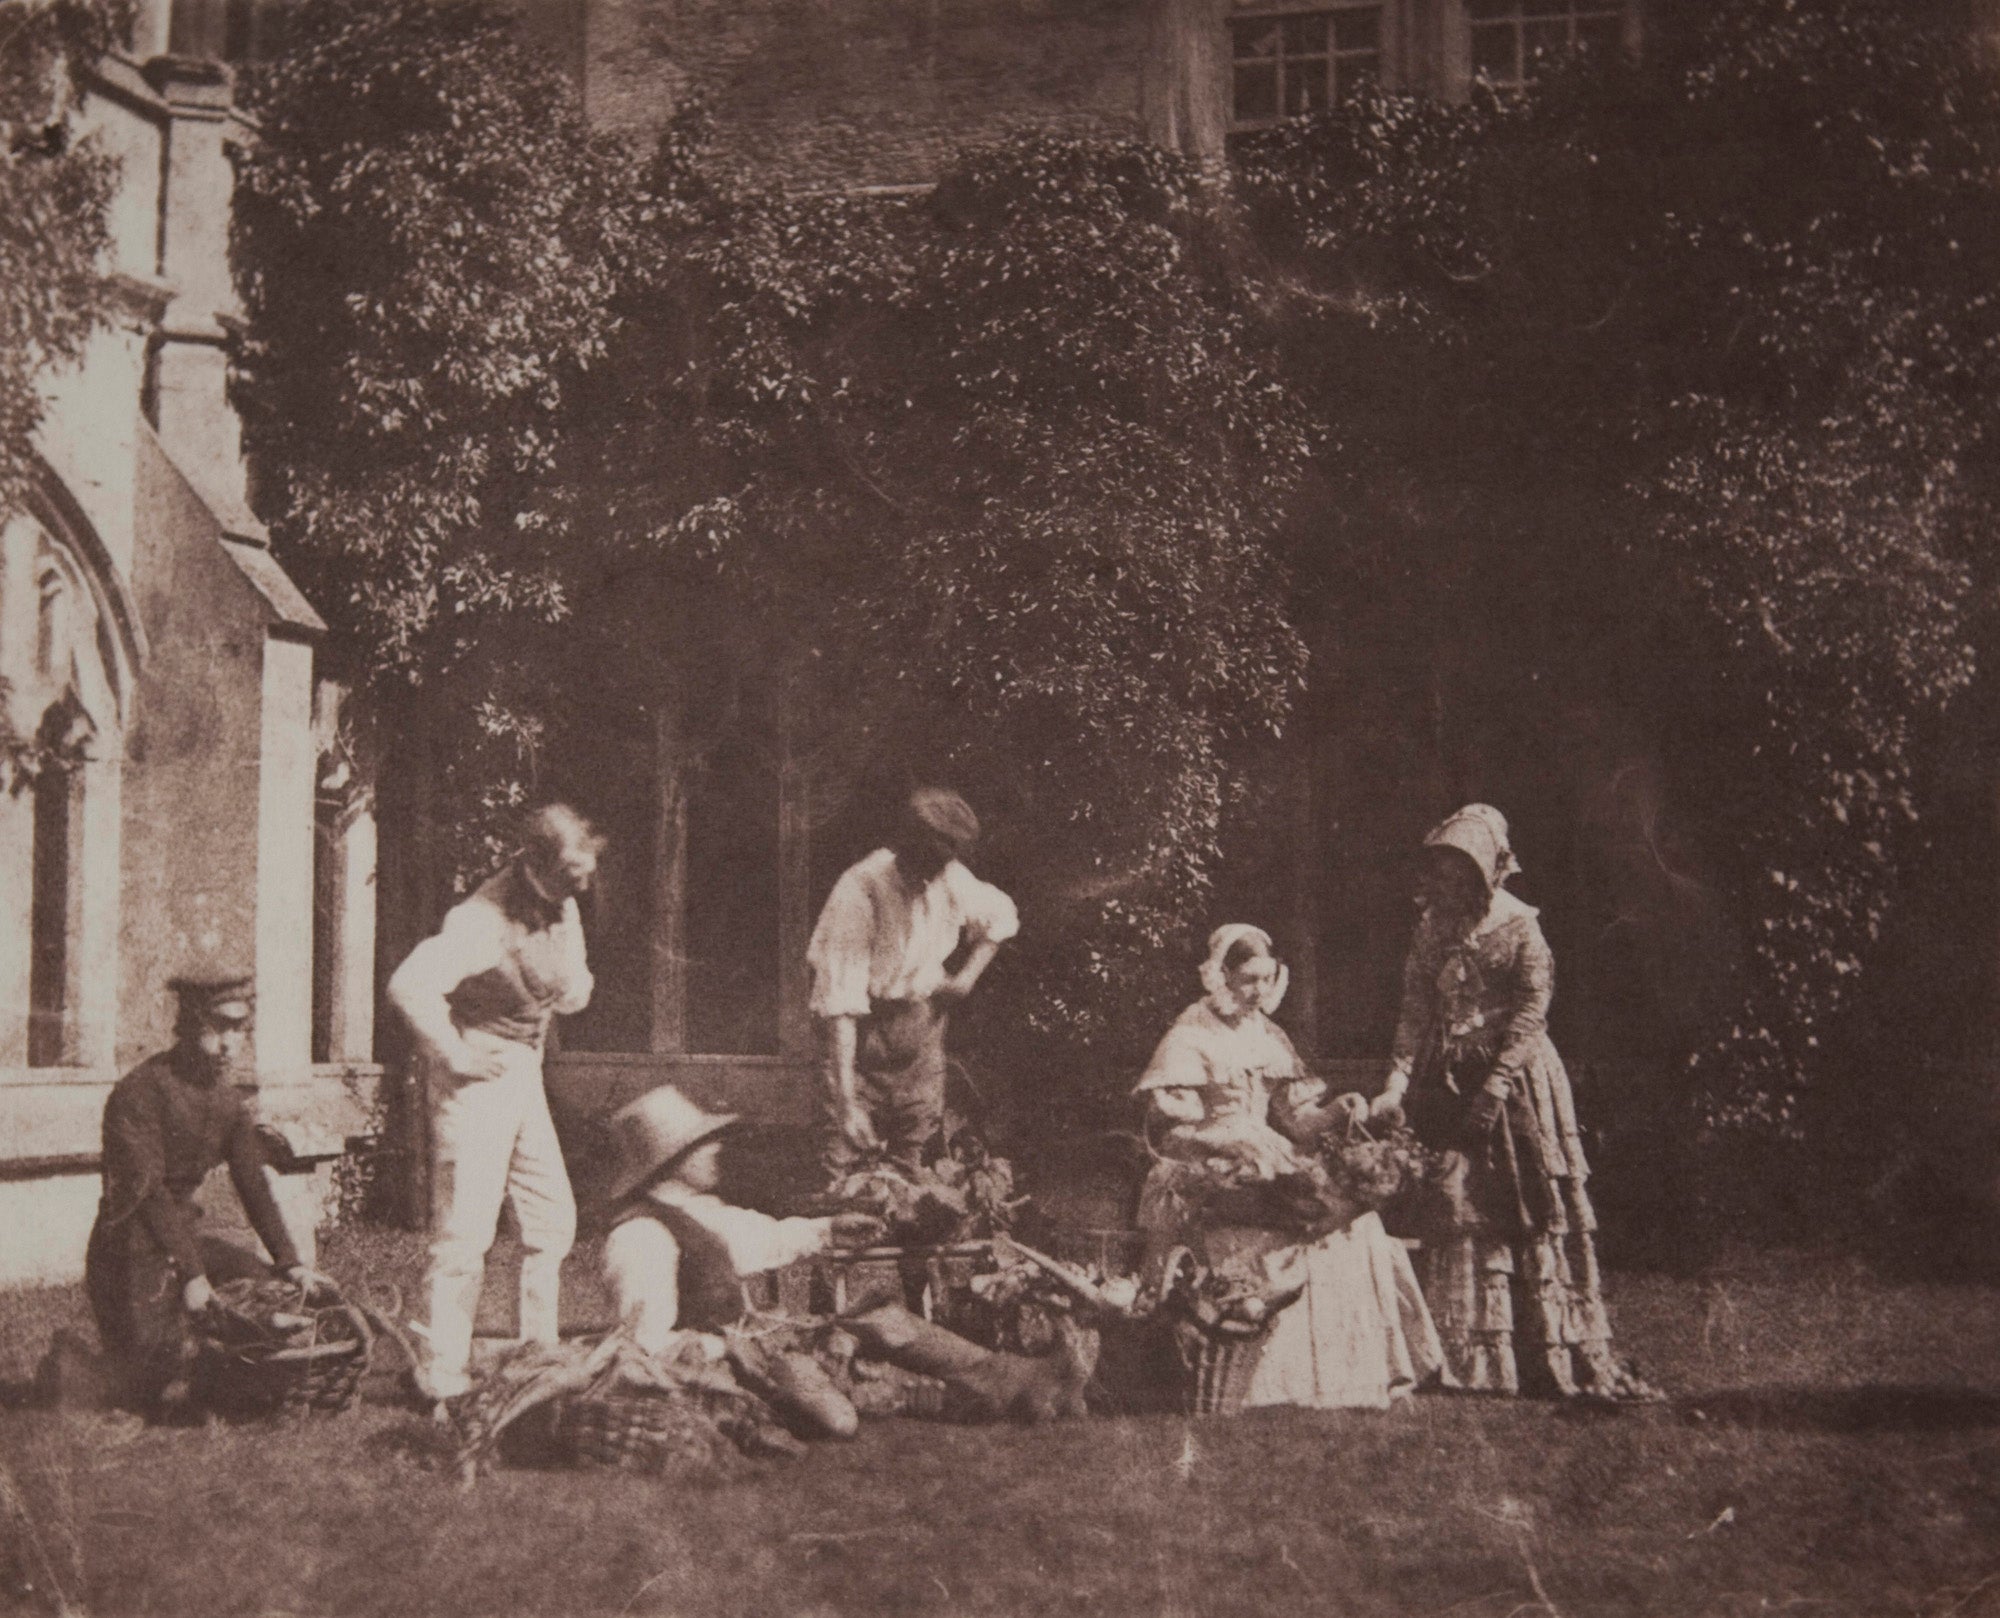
(1833, 1448)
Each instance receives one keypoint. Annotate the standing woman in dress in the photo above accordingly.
(1478, 1075)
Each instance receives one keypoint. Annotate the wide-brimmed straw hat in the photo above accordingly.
(653, 1132)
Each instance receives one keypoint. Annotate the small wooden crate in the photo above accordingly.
(929, 1281)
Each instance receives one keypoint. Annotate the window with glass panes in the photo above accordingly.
(1289, 62)
(1511, 39)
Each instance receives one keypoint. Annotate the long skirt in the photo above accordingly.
(1535, 1300)
(1359, 1336)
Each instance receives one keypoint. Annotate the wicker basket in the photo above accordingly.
(639, 1432)
(1218, 1356)
(245, 1367)
(1219, 1367)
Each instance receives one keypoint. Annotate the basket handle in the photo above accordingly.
(311, 1351)
(368, 1313)
(327, 1292)
(360, 1323)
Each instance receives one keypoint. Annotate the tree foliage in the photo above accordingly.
(54, 191)
(429, 243)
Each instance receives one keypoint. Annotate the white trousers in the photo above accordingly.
(492, 1139)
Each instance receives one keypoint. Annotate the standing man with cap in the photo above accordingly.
(479, 997)
(882, 991)
(677, 1253)
(168, 1122)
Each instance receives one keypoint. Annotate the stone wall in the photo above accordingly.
(819, 94)
(814, 93)
(190, 882)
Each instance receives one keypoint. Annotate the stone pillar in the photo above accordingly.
(62, 793)
(152, 24)
(1447, 50)
(285, 863)
(20, 544)
(1184, 85)
(17, 893)
(344, 886)
(198, 30)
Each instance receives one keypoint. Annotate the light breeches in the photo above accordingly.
(493, 1139)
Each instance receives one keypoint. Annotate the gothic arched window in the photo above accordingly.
(52, 918)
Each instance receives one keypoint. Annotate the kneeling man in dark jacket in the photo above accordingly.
(168, 1122)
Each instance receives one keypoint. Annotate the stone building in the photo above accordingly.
(208, 812)
(148, 636)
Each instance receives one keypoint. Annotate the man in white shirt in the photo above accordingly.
(882, 991)
(479, 997)
(677, 1253)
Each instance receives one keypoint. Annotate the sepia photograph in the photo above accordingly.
(967, 808)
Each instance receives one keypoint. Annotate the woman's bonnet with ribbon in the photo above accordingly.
(1215, 976)
(1479, 831)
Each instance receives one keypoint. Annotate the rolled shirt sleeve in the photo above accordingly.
(987, 915)
(642, 1258)
(642, 1264)
(757, 1242)
(842, 951)
(876, 940)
